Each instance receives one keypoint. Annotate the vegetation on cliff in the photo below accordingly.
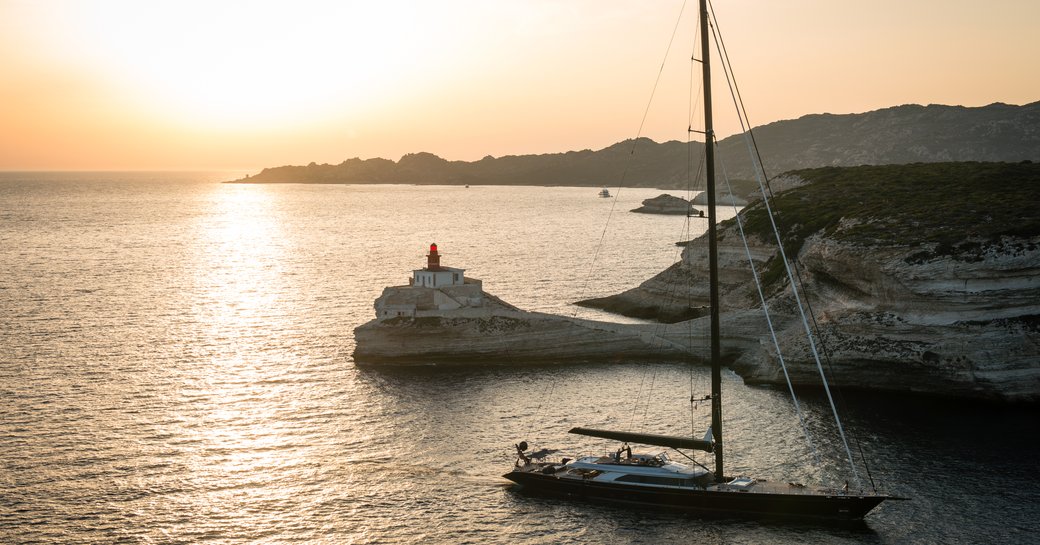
(922, 278)
(956, 209)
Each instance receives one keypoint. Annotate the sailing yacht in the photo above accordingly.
(655, 479)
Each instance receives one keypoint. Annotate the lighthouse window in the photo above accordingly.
(455, 276)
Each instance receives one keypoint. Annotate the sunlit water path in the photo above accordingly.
(175, 368)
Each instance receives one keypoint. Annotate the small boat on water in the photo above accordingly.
(604, 193)
(654, 479)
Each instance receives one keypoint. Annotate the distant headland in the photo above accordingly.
(897, 135)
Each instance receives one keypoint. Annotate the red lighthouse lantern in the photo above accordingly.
(433, 259)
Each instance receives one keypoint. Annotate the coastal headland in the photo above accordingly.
(500, 334)
(921, 279)
(444, 317)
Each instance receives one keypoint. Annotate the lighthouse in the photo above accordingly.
(436, 276)
(433, 291)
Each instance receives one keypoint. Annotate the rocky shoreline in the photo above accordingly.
(913, 290)
(500, 334)
(901, 308)
(442, 317)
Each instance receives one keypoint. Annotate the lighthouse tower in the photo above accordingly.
(433, 259)
(436, 276)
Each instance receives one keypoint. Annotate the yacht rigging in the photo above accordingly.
(657, 480)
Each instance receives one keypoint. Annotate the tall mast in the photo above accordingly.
(713, 251)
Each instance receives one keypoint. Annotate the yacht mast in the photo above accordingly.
(713, 250)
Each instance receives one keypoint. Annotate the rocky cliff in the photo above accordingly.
(922, 278)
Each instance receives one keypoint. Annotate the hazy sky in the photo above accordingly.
(105, 84)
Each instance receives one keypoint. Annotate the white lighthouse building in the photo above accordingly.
(435, 276)
(433, 291)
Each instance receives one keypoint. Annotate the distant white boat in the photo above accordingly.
(604, 193)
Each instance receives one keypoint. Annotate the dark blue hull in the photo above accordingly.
(759, 505)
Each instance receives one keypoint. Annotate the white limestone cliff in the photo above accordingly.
(892, 318)
(491, 332)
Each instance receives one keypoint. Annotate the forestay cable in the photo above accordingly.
(787, 268)
(769, 319)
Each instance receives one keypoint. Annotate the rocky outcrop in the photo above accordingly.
(946, 326)
(921, 279)
(496, 333)
(940, 296)
(515, 337)
(664, 204)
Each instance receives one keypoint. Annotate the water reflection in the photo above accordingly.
(238, 395)
(174, 365)
(240, 264)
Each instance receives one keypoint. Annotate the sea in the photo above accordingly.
(175, 368)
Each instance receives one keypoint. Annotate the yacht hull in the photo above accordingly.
(708, 502)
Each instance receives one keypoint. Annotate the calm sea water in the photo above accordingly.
(175, 368)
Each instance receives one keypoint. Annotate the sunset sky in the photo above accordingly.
(105, 84)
